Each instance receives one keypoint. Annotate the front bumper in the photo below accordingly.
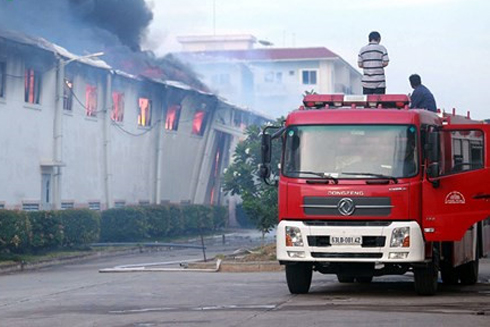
(375, 245)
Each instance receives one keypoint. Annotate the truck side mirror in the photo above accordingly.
(434, 156)
(264, 171)
(433, 170)
(434, 148)
(266, 149)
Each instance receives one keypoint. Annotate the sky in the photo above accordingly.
(446, 42)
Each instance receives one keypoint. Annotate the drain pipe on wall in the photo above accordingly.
(107, 140)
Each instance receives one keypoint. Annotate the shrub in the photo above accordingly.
(127, 224)
(158, 218)
(197, 218)
(176, 222)
(220, 217)
(46, 229)
(81, 226)
(15, 230)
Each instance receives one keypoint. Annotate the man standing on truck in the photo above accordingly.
(421, 97)
(372, 59)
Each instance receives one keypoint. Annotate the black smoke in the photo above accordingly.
(116, 27)
(127, 19)
(79, 25)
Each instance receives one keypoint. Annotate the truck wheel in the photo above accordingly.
(449, 275)
(364, 279)
(345, 278)
(298, 277)
(468, 273)
(425, 279)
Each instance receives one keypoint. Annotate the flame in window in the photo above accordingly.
(117, 113)
(144, 116)
(172, 120)
(91, 100)
(32, 86)
(198, 124)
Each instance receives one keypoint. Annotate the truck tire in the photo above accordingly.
(425, 279)
(298, 277)
(364, 279)
(468, 273)
(345, 278)
(449, 275)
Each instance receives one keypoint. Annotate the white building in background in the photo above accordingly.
(87, 135)
(271, 80)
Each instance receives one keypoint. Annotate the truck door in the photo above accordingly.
(460, 196)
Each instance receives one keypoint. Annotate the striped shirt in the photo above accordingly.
(372, 57)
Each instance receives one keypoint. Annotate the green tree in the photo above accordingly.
(242, 178)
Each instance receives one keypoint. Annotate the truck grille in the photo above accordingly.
(349, 223)
(364, 206)
(347, 255)
(367, 241)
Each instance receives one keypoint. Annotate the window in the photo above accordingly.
(68, 95)
(466, 151)
(144, 115)
(351, 151)
(94, 205)
(117, 113)
(32, 86)
(67, 205)
(2, 79)
(119, 204)
(309, 77)
(91, 100)
(199, 122)
(2, 205)
(30, 206)
(144, 203)
(172, 120)
(273, 77)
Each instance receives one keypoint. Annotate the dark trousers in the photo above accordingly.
(379, 90)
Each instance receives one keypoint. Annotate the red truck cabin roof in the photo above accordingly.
(362, 116)
(365, 101)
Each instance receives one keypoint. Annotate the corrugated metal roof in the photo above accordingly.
(41, 43)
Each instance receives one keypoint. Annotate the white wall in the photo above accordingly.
(129, 171)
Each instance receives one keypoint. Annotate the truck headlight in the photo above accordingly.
(400, 237)
(293, 236)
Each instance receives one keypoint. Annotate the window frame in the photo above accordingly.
(32, 84)
(309, 72)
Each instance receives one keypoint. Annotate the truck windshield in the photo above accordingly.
(351, 151)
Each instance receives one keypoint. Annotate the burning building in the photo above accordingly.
(77, 132)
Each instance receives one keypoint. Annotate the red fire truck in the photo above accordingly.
(368, 188)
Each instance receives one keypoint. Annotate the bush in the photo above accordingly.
(81, 226)
(127, 224)
(46, 229)
(198, 218)
(158, 218)
(176, 222)
(220, 217)
(15, 230)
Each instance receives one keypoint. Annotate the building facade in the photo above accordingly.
(77, 133)
(271, 80)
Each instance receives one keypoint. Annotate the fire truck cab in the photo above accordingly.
(368, 187)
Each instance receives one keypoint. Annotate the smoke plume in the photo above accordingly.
(116, 27)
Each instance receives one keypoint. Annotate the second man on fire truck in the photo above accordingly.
(421, 97)
(372, 59)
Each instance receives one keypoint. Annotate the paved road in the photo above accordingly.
(78, 295)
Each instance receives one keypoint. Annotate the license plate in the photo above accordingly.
(346, 240)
